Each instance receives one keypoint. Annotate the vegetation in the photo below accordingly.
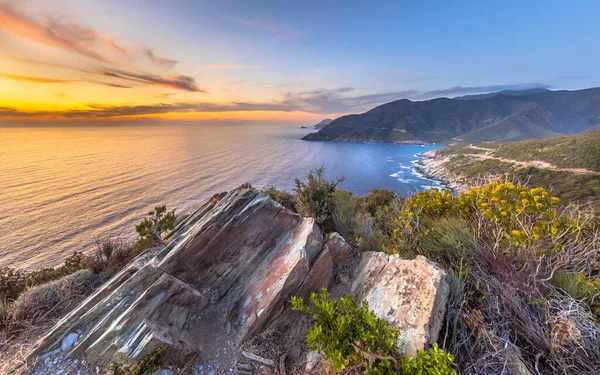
(157, 222)
(147, 365)
(314, 198)
(286, 199)
(525, 275)
(574, 151)
(351, 335)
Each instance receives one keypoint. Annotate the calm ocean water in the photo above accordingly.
(62, 187)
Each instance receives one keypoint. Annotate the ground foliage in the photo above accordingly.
(524, 271)
(351, 335)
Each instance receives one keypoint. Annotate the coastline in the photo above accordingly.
(432, 168)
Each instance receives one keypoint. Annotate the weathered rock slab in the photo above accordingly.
(410, 294)
(226, 274)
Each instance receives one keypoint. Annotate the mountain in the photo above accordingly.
(502, 116)
(327, 121)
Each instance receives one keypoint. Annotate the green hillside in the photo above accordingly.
(581, 151)
(575, 151)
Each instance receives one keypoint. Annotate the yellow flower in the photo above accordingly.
(503, 201)
(555, 199)
(523, 193)
(536, 236)
(590, 284)
(484, 205)
(516, 232)
(537, 198)
(503, 213)
(524, 201)
(494, 199)
(539, 205)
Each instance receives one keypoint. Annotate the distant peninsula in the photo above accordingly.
(502, 116)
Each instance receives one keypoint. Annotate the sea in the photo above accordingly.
(63, 187)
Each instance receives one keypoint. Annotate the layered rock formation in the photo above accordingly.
(227, 273)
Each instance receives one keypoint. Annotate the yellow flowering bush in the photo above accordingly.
(523, 216)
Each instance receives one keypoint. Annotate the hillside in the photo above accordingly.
(503, 116)
(569, 165)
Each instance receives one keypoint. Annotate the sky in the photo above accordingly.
(299, 61)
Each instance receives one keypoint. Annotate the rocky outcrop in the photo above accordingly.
(410, 294)
(226, 274)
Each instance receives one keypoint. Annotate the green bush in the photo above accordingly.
(314, 198)
(344, 331)
(157, 222)
(345, 214)
(351, 334)
(282, 197)
(434, 361)
(446, 240)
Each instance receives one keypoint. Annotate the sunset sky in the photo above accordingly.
(280, 60)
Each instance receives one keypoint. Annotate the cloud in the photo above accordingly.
(180, 82)
(322, 101)
(158, 60)
(231, 66)
(69, 37)
(281, 30)
(113, 45)
(33, 79)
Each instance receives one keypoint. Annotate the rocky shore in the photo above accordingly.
(432, 167)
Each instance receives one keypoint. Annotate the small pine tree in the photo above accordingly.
(157, 222)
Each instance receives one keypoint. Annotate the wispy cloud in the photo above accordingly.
(280, 30)
(180, 82)
(231, 66)
(158, 60)
(72, 37)
(33, 79)
(52, 32)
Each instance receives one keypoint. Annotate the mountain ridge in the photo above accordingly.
(505, 116)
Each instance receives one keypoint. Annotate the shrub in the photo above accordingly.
(314, 198)
(434, 361)
(344, 331)
(157, 222)
(345, 214)
(282, 197)
(577, 285)
(147, 365)
(516, 216)
(351, 334)
(53, 299)
(446, 240)
(109, 255)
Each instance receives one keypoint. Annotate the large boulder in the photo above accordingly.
(410, 294)
(226, 274)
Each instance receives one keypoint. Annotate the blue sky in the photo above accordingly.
(310, 58)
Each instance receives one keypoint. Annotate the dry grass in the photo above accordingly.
(38, 309)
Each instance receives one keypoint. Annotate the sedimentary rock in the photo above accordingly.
(226, 274)
(411, 294)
